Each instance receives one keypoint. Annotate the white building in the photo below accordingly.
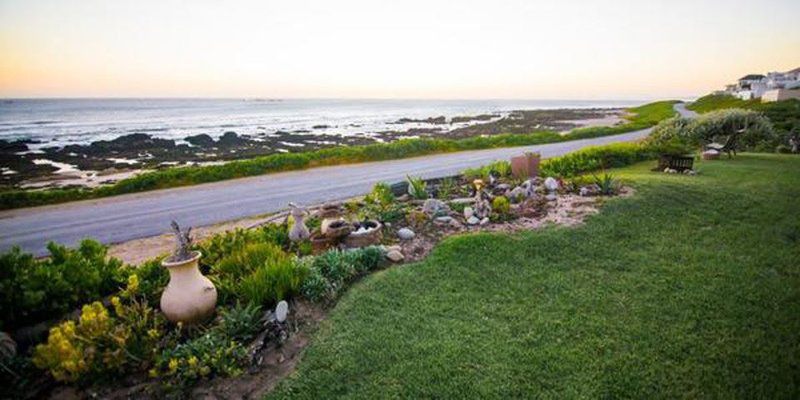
(751, 86)
(754, 86)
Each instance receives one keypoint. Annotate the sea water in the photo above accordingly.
(59, 122)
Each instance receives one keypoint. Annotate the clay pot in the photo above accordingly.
(525, 166)
(329, 210)
(189, 297)
(372, 236)
(320, 243)
(336, 229)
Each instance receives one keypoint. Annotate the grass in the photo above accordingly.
(713, 102)
(641, 117)
(689, 289)
(785, 115)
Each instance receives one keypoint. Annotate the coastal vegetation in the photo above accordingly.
(638, 118)
(784, 115)
(716, 127)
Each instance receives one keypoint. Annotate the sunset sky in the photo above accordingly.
(562, 49)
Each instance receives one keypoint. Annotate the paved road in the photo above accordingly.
(683, 111)
(126, 217)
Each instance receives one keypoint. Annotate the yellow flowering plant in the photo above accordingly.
(104, 341)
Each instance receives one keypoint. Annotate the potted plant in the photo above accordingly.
(189, 297)
(526, 165)
(365, 233)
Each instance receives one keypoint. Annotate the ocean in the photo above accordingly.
(60, 122)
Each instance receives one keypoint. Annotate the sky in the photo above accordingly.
(456, 49)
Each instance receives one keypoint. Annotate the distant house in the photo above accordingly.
(751, 86)
(773, 85)
(784, 80)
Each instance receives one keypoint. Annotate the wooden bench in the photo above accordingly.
(729, 147)
(678, 163)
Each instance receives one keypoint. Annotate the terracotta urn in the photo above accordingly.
(189, 297)
(525, 166)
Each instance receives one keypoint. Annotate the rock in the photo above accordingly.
(468, 212)
(473, 220)
(403, 198)
(551, 197)
(454, 223)
(485, 221)
(12, 147)
(590, 190)
(517, 195)
(503, 186)
(230, 139)
(394, 247)
(281, 311)
(444, 219)
(8, 347)
(434, 207)
(395, 256)
(201, 140)
(529, 187)
(463, 200)
(405, 234)
(551, 184)
(482, 208)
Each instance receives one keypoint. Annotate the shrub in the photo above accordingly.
(502, 168)
(153, 278)
(103, 343)
(240, 322)
(417, 188)
(336, 266)
(221, 245)
(34, 290)
(259, 273)
(380, 205)
(381, 195)
(716, 126)
(368, 258)
(447, 188)
(211, 354)
(783, 149)
(499, 168)
(331, 271)
(595, 158)
(316, 287)
(501, 205)
(607, 183)
(272, 282)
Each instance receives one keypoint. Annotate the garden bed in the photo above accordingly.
(108, 337)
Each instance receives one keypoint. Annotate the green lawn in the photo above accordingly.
(689, 289)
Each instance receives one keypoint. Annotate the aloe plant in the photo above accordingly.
(417, 188)
(607, 183)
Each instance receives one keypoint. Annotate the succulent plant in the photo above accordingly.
(183, 243)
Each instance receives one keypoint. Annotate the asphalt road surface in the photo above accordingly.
(121, 218)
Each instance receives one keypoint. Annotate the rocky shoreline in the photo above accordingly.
(104, 162)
